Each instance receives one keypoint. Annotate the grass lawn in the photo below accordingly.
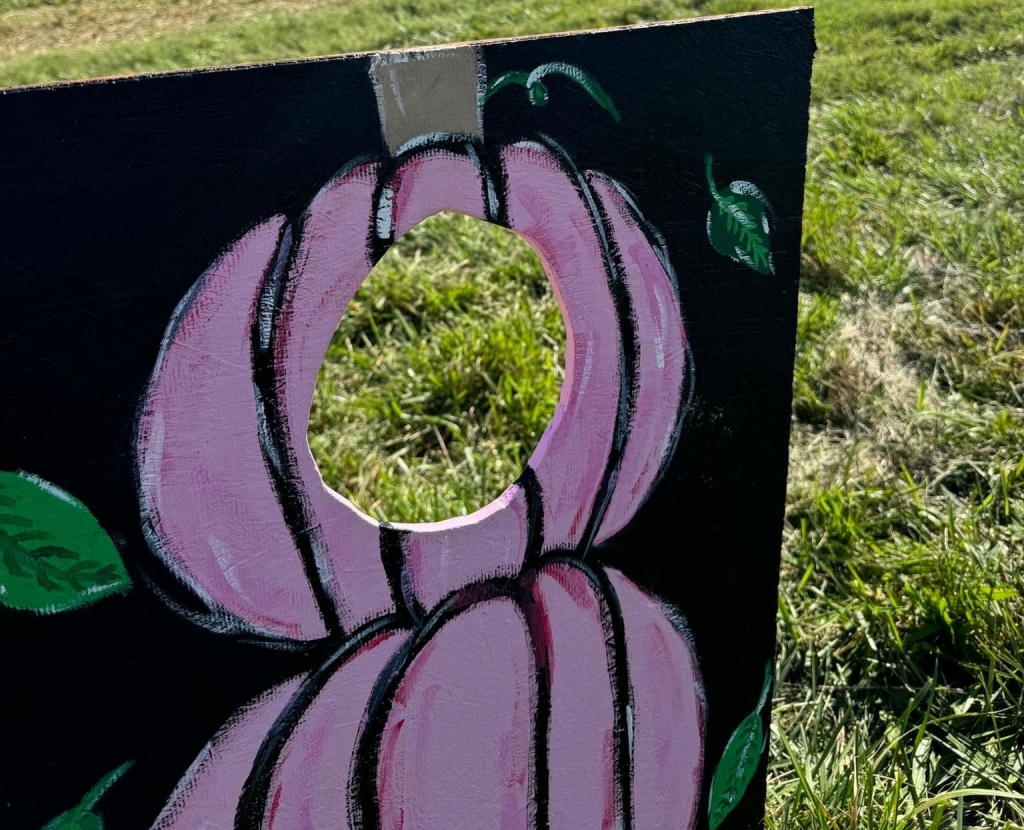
(900, 700)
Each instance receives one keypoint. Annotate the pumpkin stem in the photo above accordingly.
(768, 677)
(538, 92)
(711, 179)
(724, 202)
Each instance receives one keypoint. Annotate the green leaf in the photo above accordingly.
(82, 817)
(739, 761)
(54, 556)
(739, 225)
(75, 820)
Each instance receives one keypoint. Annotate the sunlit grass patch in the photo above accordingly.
(443, 374)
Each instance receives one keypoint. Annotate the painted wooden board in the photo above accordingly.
(198, 633)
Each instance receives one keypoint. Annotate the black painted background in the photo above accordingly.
(115, 196)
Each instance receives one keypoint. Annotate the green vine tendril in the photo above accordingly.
(537, 90)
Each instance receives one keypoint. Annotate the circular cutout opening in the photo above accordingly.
(442, 375)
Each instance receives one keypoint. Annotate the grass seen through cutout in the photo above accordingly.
(443, 374)
(900, 695)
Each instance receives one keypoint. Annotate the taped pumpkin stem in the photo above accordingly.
(537, 90)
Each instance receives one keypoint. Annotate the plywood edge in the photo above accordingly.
(195, 71)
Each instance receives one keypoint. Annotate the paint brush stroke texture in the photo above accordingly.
(484, 673)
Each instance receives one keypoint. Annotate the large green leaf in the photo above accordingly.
(54, 556)
(739, 762)
(738, 223)
(82, 817)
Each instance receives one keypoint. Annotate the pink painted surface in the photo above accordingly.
(207, 796)
(661, 364)
(455, 754)
(203, 481)
(457, 748)
(546, 209)
(582, 717)
(432, 182)
(442, 557)
(310, 788)
(668, 715)
(327, 271)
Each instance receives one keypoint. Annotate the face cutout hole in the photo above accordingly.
(442, 375)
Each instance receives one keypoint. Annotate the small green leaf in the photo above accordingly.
(739, 762)
(82, 817)
(54, 556)
(739, 224)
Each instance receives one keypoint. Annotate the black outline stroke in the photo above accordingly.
(278, 453)
(363, 803)
(629, 353)
(255, 795)
(614, 626)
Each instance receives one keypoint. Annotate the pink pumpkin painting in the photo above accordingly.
(480, 672)
(593, 650)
